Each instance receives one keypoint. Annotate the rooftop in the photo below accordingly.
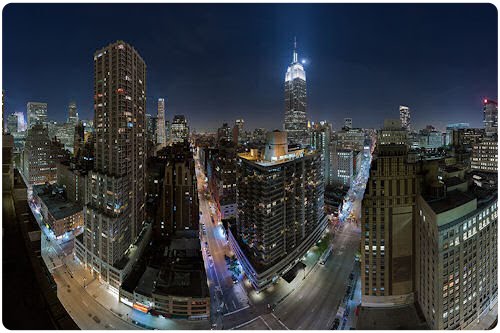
(183, 273)
(453, 181)
(147, 281)
(291, 156)
(453, 199)
(59, 207)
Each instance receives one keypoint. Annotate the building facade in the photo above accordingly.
(387, 237)
(343, 166)
(222, 180)
(73, 180)
(179, 210)
(456, 257)
(485, 155)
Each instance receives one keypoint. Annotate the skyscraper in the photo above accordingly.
(320, 140)
(347, 124)
(404, 116)
(21, 122)
(160, 128)
(280, 209)
(490, 116)
(224, 133)
(179, 129)
(72, 114)
(12, 123)
(114, 214)
(238, 130)
(37, 113)
(296, 101)
(39, 166)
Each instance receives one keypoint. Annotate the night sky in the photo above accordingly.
(219, 62)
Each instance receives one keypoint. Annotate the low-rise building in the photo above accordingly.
(59, 214)
(172, 284)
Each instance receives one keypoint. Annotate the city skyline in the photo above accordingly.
(209, 83)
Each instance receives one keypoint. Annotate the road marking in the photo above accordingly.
(265, 323)
(245, 323)
(236, 311)
(279, 321)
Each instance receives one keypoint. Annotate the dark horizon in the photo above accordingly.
(215, 63)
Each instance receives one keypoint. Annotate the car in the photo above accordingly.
(336, 324)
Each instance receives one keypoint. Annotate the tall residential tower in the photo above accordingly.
(280, 209)
(114, 212)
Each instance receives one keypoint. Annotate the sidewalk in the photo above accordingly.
(353, 303)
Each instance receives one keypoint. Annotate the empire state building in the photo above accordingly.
(296, 102)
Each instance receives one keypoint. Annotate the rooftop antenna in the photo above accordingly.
(295, 49)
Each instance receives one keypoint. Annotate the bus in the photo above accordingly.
(326, 254)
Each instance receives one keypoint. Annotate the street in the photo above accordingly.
(227, 297)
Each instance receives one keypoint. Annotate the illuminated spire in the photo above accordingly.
(295, 58)
(295, 69)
